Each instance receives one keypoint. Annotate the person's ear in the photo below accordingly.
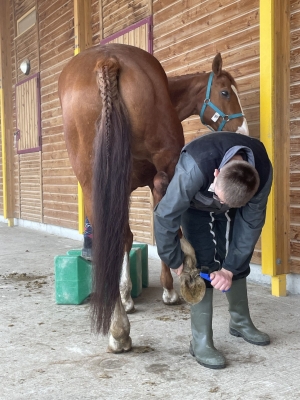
(216, 173)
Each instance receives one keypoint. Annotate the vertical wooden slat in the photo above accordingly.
(100, 20)
(38, 111)
(150, 5)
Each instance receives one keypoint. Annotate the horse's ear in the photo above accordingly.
(217, 64)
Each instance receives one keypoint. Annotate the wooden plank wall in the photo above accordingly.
(59, 185)
(187, 36)
(295, 136)
(120, 14)
(95, 21)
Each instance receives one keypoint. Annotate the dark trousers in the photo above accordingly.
(210, 235)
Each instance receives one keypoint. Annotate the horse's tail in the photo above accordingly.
(111, 194)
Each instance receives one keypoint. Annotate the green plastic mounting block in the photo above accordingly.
(73, 274)
(145, 272)
(135, 260)
(73, 279)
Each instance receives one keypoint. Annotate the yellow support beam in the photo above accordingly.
(267, 125)
(274, 133)
(83, 40)
(3, 147)
(279, 285)
(6, 114)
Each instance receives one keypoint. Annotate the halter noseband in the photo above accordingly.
(218, 112)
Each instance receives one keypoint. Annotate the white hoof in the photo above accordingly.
(128, 305)
(115, 346)
(170, 297)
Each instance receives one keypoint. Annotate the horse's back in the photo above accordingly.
(133, 63)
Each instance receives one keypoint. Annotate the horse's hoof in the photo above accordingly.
(117, 347)
(170, 297)
(128, 305)
(130, 310)
(192, 288)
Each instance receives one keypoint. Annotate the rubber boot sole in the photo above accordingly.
(234, 332)
(87, 254)
(222, 366)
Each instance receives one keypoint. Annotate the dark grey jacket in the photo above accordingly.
(190, 188)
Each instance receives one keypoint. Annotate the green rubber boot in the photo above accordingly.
(202, 345)
(240, 323)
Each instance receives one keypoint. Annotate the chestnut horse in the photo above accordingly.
(122, 125)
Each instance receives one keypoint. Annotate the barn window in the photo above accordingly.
(26, 21)
(28, 135)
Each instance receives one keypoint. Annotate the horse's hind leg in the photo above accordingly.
(125, 281)
(119, 339)
(170, 296)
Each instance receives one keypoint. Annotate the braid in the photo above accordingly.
(108, 87)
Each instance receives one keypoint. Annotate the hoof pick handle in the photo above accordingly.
(207, 277)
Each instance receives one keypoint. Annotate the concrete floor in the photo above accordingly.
(48, 352)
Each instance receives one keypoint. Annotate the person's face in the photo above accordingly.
(218, 194)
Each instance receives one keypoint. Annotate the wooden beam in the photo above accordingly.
(150, 5)
(6, 113)
(274, 133)
(83, 40)
(100, 21)
(82, 25)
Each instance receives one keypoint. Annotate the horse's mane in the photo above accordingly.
(187, 76)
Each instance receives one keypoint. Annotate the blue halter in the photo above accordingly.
(219, 113)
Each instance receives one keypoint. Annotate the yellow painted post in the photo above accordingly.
(82, 32)
(4, 169)
(6, 114)
(274, 119)
(267, 124)
(81, 212)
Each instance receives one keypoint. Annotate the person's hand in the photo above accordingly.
(221, 280)
(179, 270)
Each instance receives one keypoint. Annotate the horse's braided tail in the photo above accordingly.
(111, 194)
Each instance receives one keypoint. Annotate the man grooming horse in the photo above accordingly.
(218, 195)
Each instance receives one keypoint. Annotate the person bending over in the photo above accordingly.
(218, 196)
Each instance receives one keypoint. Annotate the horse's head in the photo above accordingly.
(222, 109)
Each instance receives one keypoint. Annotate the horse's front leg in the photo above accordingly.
(170, 296)
(119, 339)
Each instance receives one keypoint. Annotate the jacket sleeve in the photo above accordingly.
(248, 224)
(185, 183)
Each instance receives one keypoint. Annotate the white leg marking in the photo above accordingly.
(119, 339)
(244, 130)
(126, 285)
(170, 296)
